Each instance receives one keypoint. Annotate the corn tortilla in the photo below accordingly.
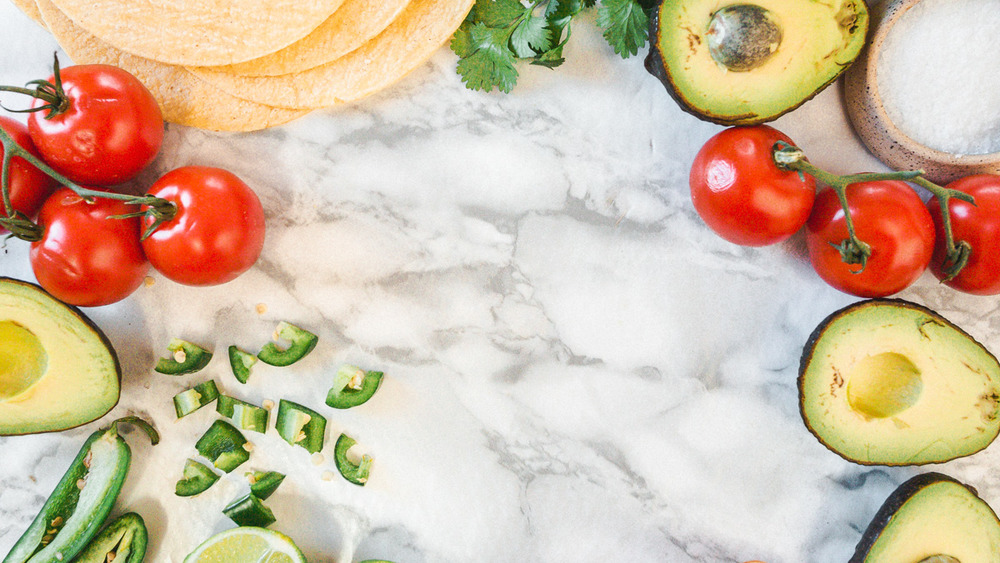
(408, 41)
(183, 98)
(30, 9)
(199, 32)
(354, 23)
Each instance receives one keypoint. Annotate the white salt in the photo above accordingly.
(939, 75)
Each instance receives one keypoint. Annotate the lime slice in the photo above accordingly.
(247, 545)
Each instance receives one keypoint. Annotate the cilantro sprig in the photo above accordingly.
(497, 34)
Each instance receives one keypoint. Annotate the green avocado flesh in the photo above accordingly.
(931, 519)
(57, 369)
(890, 382)
(743, 63)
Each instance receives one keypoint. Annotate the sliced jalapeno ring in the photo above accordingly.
(249, 511)
(190, 400)
(224, 446)
(124, 540)
(264, 483)
(300, 426)
(82, 499)
(197, 478)
(241, 363)
(356, 473)
(301, 342)
(352, 386)
(185, 358)
(247, 416)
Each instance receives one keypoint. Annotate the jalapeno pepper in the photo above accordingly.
(190, 400)
(249, 511)
(81, 501)
(299, 425)
(122, 541)
(185, 358)
(352, 386)
(301, 342)
(198, 477)
(356, 473)
(264, 483)
(246, 416)
(224, 445)
(241, 363)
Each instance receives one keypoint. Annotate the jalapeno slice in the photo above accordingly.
(356, 473)
(300, 426)
(301, 342)
(264, 483)
(224, 446)
(82, 499)
(249, 511)
(185, 358)
(352, 386)
(241, 363)
(197, 478)
(246, 416)
(190, 400)
(124, 540)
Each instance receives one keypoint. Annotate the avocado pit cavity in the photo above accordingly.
(884, 385)
(939, 559)
(22, 359)
(743, 37)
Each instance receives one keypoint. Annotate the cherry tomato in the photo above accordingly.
(29, 186)
(891, 219)
(111, 129)
(217, 233)
(85, 257)
(978, 225)
(740, 192)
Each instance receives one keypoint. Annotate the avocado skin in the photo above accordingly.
(97, 332)
(817, 333)
(892, 505)
(655, 65)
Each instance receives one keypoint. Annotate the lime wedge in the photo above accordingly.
(247, 544)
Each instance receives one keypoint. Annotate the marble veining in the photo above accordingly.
(576, 368)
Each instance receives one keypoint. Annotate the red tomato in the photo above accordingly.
(741, 193)
(891, 219)
(84, 257)
(28, 185)
(111, 129)
(978, 225)
(217, 233)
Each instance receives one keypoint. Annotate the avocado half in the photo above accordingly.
(744, 63)
(57, 369)
(931, 515)
(889, 382)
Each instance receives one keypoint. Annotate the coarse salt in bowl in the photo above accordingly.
(925, 92)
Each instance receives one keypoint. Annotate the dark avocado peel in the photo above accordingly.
(890, 382)
(931, 518)
(57, 368)
(744, 63)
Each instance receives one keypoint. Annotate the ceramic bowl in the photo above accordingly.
(872, 124)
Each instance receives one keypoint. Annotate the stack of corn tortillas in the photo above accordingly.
(241, 65)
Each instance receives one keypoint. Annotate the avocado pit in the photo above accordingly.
(742, 37)
(884, 385)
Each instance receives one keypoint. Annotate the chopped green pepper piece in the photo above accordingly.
(124, 540)
(224, 446)
(352, 386)
(264, 483)
(185, 358)
(301, 343)
(355, 473)
(301, 426)
(246, 416)
(249, 511)
(81, 501)
(241, 362)
(198, 477)
(190, 400)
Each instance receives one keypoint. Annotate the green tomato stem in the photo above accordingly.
(22, 227)
(956, 253)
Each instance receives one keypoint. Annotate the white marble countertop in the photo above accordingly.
(577, 369)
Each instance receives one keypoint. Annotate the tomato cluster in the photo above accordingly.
(93, 127)
(872, 237)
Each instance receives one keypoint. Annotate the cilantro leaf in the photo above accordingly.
(490, 64)
(497, 13)
(461, 43)
(531, 36)
(625, 24)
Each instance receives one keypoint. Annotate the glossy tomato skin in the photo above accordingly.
(111, 130)
(889, 217)
(217, 233)
(740, 192)
(978, 225)
(29, 186)
(85, 258)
